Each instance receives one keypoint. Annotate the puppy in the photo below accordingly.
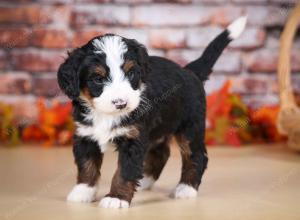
(124, 98)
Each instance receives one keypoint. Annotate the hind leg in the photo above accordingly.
(156, 158)
(194, 162)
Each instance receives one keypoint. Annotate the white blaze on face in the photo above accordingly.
(119, 87)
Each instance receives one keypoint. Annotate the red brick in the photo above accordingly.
(272, 42)
(229, 62)
(33, 14)
(295, 78)
(25, 109)
(3, 59)
(210, 1)
(225, 15)
(214, 83)
(167, 38)
(56, 1)
(23, 15)
(10, 38)
(258, 101)
(267, 61)
(295, 82)
(170, 15)
(252, 38)
(201, 37)
(91, 1)
(81, 37)
(167, 1)
(257, 15)
(244, 84)
(262, 61)
(141, 35)
(49, 38)
(251, 84)
(17, 1)
(37, 61)
(133, 1)
(267, 16)
(46, 85)
(254, 89)
(156, 52)
(15, 83)
(285, 1)
(251, 1)
(182, 57)
(106, 14)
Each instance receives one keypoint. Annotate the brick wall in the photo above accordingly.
(35, 35)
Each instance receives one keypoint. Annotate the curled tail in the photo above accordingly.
(204, 64)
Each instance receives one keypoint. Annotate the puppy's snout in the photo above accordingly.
(119, 103)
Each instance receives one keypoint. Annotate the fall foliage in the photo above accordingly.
(229, 122)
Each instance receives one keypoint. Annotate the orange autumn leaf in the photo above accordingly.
(218, 103)
(52, 123)
(268, 113)
(33, 132)
(232, 137)
(57, 115)
(265, 120)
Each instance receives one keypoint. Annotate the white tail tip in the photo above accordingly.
(237, 27)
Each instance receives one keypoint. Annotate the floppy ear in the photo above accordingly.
(143, 58)
(68, 75)
(142, 55)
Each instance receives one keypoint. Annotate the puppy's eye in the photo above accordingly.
(131, 75)
(134, 78)
(97, 80)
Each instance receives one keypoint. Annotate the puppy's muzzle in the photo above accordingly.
(119, 103)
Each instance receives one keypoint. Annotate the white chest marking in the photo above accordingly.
(102, 129)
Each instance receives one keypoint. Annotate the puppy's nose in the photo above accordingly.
(119, 103)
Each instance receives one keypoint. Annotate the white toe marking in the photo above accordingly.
(146, 183)
(237, 27)
(82, 193)
(114, 203)
(184, 191)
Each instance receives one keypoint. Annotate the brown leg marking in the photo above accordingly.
(188, 170)
(89, 172)
(121, 189)
(156, 158)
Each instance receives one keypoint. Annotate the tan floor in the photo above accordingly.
(246, 183)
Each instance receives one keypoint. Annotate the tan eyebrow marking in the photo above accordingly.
(128, 65)
(100, 70)
(86, 94)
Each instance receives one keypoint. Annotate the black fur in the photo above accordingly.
(131, 157)
(68, 75)
(89, 154)
(204, 64)
(175, 97)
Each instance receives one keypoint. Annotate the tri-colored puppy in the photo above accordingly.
(124, 98)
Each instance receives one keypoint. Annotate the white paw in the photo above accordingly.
(184, 191)
(146, 183)
(114, 203)
(82, 193)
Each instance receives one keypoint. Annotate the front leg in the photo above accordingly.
(130, 170)
(88, 159)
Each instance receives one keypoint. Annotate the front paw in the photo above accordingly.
(184, 191)
(82, 193)
(114, 203)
